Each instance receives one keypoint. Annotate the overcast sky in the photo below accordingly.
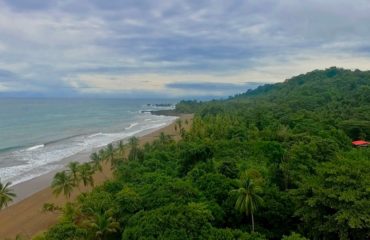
(137, 48)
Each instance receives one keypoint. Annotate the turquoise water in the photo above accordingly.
(36, 134)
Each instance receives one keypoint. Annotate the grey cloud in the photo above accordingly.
(25, 5)
(5, 74)
(210, 87)
(49, 41)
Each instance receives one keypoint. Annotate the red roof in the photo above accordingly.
(360, 142)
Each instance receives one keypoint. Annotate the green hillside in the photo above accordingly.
(336, 97)
(273, 163)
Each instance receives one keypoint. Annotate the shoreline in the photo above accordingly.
(24, 216)
(31, 186)
(38, 154)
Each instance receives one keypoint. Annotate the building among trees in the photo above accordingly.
(360, 143)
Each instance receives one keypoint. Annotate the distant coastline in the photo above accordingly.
(60, 128)
(170, 113)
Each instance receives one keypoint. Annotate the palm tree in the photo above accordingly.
(285, 168)
(248, 197)
(72, 212)
(115, 163)
(6, 195)
(73, 168)
(147, 147)
(50, 207)
(102, 224)
(182, 132)
(96, 162)
(85, 173)
(102, 154)
(20, 237)
(63, 182)
(121, 148)
(179, 123)
(133, 143)
(162, 138)
(109, 151)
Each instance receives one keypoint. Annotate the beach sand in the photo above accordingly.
(25, 216)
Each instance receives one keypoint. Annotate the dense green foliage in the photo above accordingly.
(6, 194)
(281, 153)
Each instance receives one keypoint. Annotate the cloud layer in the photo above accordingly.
(173, 48)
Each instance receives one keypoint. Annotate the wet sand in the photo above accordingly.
(24, 217)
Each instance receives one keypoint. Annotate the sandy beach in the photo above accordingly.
(24, 216)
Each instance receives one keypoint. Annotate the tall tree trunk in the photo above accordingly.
(252, 222)
(286, 182)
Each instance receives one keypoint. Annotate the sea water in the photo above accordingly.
(36, 134)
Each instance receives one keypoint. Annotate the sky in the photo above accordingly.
(177, 48)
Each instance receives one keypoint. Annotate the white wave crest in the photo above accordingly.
(131, 125)
(35, 147)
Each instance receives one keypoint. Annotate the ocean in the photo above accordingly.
(37, 134)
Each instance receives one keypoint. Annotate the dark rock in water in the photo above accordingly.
(163, 112)
(164, 105)
(160, 105)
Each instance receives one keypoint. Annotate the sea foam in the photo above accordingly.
(43, 158)
(35, 147)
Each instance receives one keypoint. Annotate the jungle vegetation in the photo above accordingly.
(272, 163)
